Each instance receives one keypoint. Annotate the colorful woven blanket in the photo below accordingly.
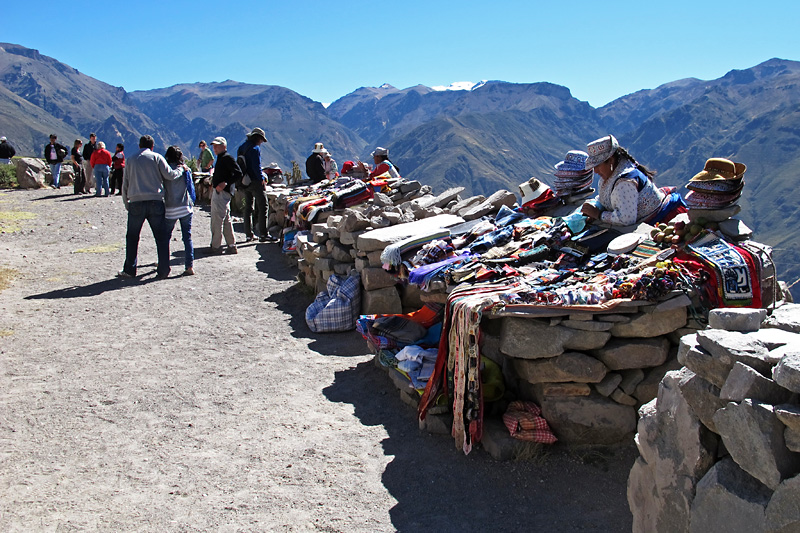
(735, 277)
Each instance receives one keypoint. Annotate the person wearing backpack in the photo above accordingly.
(179, 198)
(249, 157)
(54, 153)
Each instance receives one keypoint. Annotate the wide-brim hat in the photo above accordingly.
(318, 148)
(380, 151)
(718, 168)
(220, 140)
(600, 150)
(273, 166)
(258, 132)
(532, 189)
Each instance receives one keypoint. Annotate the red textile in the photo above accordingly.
(525, 422)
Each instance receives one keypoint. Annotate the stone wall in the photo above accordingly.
(720, 445)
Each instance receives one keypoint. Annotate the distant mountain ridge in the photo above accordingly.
(482, 136)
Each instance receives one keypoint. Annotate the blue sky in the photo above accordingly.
(601, 50)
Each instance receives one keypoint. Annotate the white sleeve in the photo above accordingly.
(624, 206)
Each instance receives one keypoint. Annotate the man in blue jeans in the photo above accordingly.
(143, 197)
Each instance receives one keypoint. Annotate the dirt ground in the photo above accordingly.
(205, 403)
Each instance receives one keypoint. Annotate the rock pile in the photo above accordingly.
(720, 445)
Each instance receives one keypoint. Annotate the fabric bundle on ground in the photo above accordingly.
(525, 422)
(337, 308)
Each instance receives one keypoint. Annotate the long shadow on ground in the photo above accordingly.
(437, 488)
(95, 289)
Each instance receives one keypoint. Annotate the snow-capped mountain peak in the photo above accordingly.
(460, 86)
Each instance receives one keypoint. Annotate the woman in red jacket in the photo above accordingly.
(101, 162)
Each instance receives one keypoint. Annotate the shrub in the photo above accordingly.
(8, 176)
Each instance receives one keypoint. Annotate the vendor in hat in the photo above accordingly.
(627, 192)
(382, 164)
(315, 164)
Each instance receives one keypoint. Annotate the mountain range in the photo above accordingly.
(483, 137)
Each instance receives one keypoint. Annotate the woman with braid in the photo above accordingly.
(626, 192)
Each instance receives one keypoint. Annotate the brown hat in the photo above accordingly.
(718, 168)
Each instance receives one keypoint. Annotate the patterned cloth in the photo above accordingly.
(525, 422)
(337, 308)
(735, 279)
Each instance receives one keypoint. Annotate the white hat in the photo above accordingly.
(220, 140)
(3, 139)
(273, 166)
(318, 148)
(532, 189)
(380, 151)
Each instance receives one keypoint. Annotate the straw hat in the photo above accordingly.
(718, 169)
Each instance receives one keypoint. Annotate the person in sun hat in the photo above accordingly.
(380, 156)
(331, 168)
(256, 190)
(315, 164)
(626, 192)
(226, 174)
(6, 151)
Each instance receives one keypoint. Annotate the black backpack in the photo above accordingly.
(244, 181)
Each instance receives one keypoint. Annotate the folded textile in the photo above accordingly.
(400, 328)
(392, 254)
(525, 422)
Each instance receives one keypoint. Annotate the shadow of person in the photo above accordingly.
(272, 262)
(94, 289)
(438, 488)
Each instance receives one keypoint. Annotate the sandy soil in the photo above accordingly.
(205, 403)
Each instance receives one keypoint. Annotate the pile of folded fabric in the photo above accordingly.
(718, 186)
(571, 177)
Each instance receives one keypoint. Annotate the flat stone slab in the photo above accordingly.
(377, 278)
(753, 436)
(587, 325)
(774, 338)
(567, 367)
(734, 346)
(384, 301)
(736, 319)
(702, 397)
(729, 499)
(783, 512)
(789, 414)
(652, 324)
(787, 372)
(517, 333)
(785, 317)
(744, 382)
(620, 354)
(378, 239)
(592, 419)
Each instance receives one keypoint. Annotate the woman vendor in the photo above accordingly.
(382, 164)
(627, 193)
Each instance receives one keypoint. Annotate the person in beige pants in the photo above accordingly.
(226, 174)
(88, 148)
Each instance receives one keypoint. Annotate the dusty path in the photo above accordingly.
(206, 404)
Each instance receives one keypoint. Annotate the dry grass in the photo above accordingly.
(10, 220)
(7, 276)
(531, 452)
(6, 332)
(99, 249)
